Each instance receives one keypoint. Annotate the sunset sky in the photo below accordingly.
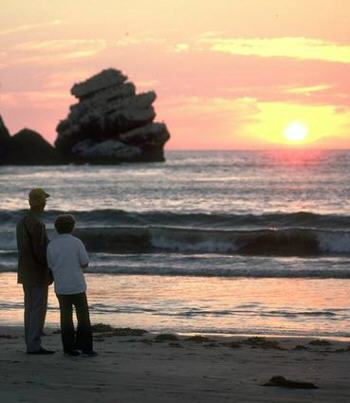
(229, 74)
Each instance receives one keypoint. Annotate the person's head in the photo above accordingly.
(64, 224)
(37, 199)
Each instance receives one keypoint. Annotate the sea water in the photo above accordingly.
(212, 242)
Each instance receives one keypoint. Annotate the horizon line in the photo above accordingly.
(258, 149)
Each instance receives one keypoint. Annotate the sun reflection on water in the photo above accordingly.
(296, 157)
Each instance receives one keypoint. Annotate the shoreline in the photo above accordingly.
(336, 339)
(133, 366)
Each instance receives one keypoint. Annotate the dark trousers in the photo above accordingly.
(82, 340)
(35, 305)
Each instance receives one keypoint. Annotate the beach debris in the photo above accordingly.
(101, 327)
(232, 344)
(343, 350)
(175, 344)
(128, 331)
(281, 381)
(199, 339)
(211, 345)
(166, 337)
(146, 341)
(8, 336)
(110, 331)
(321, 343)
(300, 347)
(262, 342)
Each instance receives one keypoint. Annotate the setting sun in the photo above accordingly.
(296, 132)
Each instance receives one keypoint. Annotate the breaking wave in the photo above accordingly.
(111, 231)
(113, 218)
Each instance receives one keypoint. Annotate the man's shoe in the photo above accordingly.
(91, 353)
(72, 353)
(42, 351)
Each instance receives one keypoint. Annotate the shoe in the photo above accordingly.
(91, 353)
(42, 351)
(72, 353)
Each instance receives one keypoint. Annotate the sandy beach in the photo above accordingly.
(136, 367)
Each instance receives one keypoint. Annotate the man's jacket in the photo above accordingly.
(32, 242)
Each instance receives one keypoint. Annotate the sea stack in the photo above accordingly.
(26, 147)
(4, 140)
(111, 123)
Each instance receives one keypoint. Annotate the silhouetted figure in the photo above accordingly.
(33, 271)
(66, 257)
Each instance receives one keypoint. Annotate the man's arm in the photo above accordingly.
(38, 238)
(48, 257)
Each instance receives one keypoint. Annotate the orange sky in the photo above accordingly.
(229, 74)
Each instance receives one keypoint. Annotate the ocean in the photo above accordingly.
(224, 242)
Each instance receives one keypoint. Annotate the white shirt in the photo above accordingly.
(66, 255)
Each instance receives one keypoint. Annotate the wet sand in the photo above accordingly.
(135, 367)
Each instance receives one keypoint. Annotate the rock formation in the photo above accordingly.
(111, 123)
(29, 148)
(4, 140)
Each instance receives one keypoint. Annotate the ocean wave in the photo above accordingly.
(112, 218)
(267, 242)
(213, 268)
(8, 242)
(188, 311)
(278, 234)
(167, 239)
(248, 272)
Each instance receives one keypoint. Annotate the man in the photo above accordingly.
(33, 271)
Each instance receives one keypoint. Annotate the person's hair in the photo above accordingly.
(64, 224)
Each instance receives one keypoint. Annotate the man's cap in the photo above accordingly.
(38, 194)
